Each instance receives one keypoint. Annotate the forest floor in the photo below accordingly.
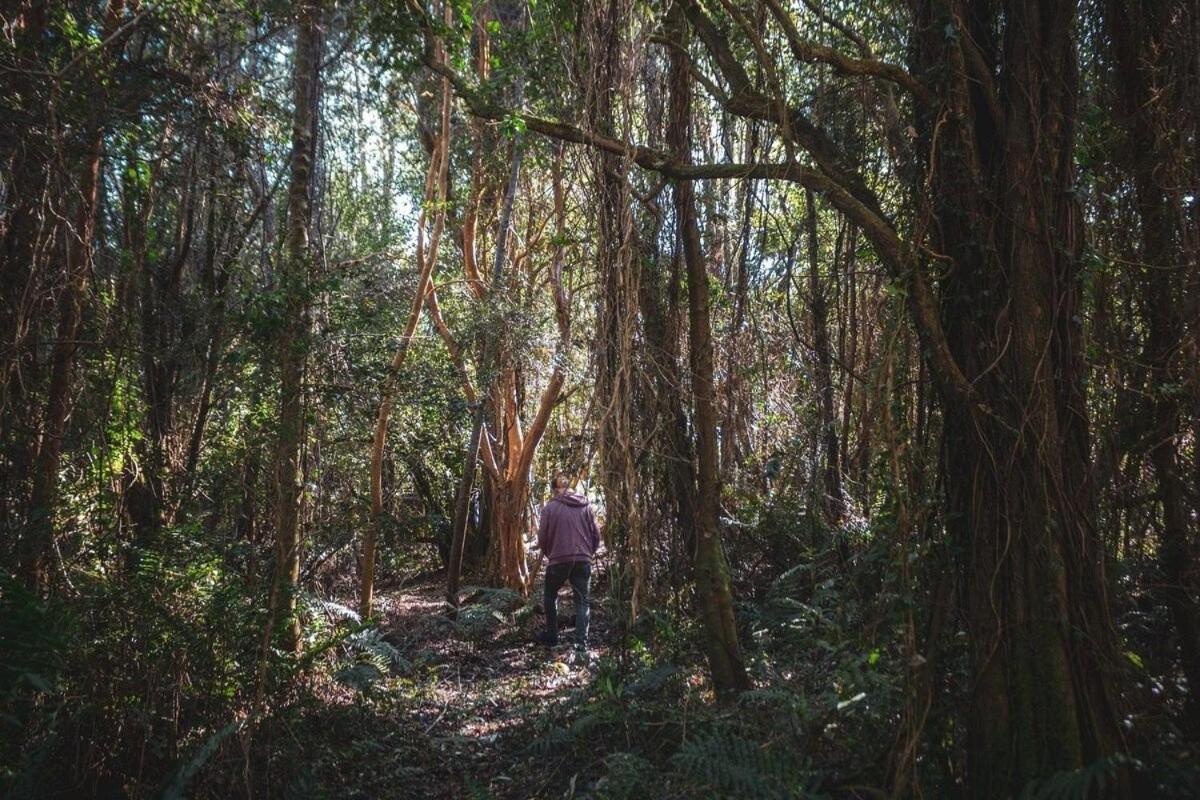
(467, 709)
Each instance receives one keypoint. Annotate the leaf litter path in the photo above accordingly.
(464, 716)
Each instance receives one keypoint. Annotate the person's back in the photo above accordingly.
(569, 537)
(568, 529)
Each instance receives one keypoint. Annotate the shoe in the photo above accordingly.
(546, 640)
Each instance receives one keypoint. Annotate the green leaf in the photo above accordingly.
(179, 782)
(513, 126)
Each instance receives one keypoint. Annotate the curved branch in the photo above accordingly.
(746, 101)
(978, 71)
(456, 357)
(839, 184)
(841, 27)
(810, 52)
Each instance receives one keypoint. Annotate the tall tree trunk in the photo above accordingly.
(462, 497)
(831, 503)
(733, 390)
(1019, 498)
(294, 335)
(608, 77)
(39, 536)
(713, 593)
(660, 300)
(1149, 87)
(659, 291)
(848, 355)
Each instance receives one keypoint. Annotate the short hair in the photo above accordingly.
(560, 479)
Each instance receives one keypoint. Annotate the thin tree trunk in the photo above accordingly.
(146, 491)
(831, 505)
(217, 275)
(293, 343)
(39, 536)
(713, 593)
(435, 193)
(849, 356)
(462, 498)
(734, 405)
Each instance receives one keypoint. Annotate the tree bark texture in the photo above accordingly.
(294, 334)
(38, 541)
(607, 76)
(714, 596)
(1149, 79)
(1017, 479)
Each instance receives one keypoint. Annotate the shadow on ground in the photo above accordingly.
(464, 715)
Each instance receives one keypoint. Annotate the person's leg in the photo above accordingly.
(556, 575)
(581, 582)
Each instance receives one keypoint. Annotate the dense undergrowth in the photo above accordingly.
(148, 684)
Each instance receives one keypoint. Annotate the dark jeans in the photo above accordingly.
(579, 573)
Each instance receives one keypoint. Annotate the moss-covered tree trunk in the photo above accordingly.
(714, 597)
(1019, 497)
(293, 338)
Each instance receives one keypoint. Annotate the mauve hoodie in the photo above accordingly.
(568, 530)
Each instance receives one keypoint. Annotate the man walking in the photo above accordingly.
(568, 536)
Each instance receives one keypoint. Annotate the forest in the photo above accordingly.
(866, 333)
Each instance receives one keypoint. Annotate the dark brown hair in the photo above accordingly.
(560, 478)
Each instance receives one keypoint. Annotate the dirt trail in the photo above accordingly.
(477, 693)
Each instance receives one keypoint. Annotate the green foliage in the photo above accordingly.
(723, 764)
(371, 658)
(35, 642)
(150, 650)
(174, 631)
(1092, 780)
(626, 777)
(490, 611)
(176, 789)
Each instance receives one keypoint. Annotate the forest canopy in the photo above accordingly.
(866, 331)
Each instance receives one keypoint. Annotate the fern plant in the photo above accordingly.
(629, 776)
(372, 659)
(724, 764)
(1088, 781)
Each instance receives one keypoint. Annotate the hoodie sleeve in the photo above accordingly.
(593, 529)
(544, 539)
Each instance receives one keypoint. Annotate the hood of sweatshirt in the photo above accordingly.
(571, 498)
